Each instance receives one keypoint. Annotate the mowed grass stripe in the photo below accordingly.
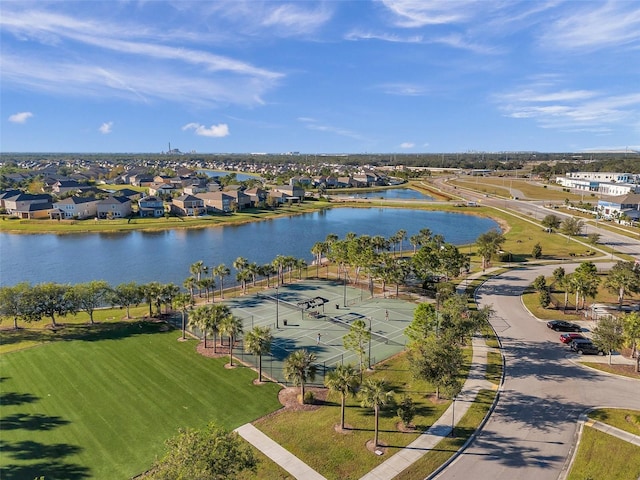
(123, 397)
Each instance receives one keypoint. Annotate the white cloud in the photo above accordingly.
(106, 127)
(402, 89)
(313, 124)
(20, 117)
(407, 145)
(611, 24)
(571, 110)
(216, 131)
(412, 14)
(296, 20)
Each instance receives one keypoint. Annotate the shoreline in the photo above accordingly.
(33, 227)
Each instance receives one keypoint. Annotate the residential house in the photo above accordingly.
(141, 180)
(294, 193)
(65, 186)
(187, 205)
(257, 195)
(240, 199)
(77, 207)
(22, 204)
(216, 202)
(114, 207)
(161, 189)
(194, 189)
(150, 207)
(8, 194)
(616, 207)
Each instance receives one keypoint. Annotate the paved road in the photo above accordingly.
(531, 434)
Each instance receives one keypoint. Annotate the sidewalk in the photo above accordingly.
(442, 427)
(278, 454)
(411, 453)
(611, 430)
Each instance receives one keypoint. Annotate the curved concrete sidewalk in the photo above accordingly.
(405, 457)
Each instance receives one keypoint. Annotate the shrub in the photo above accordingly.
(309, 398)
(545, 298)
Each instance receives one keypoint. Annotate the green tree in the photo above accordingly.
(623, 278)
(489, 244)
(544, 298)
(537, 251)
(584, 282)
(258, 342)
(343, 380)
(631, 328)
(152, 293)
(183, 302)
(551, 222)
(357, 340)
(423, 324)
(230, 326)
(594, 238)
(299, 368)
(190, 283)
(14, 303)
(571, 226)
(125, 295)
(540, 283)
(375, 393)
(438, 360)
(89, 296)
(609, 334)
(51, 299)
(212, 453)
(222, 271)
(406, 410)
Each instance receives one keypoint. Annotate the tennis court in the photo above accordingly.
(316, 315)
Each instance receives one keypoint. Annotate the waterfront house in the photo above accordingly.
(187, 205)
(23, 205)
(293, 192)
(114, 207)
(257, 195)
(216, 202)
(240, 199)
(77, 207)
(150, 207)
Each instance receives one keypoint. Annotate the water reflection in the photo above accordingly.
(165, 256)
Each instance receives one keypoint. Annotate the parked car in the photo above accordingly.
(562, 326)
(586, 346)
(570, 337)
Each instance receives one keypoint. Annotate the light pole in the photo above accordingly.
(277, 305)
(453, 418)
(370, 343)
(345, 290)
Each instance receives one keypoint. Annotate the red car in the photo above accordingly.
(570, 337)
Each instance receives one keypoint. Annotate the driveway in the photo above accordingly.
(532, 431)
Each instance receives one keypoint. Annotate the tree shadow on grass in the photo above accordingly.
(55, 469)
(30, 450)
(33, 422)
(84, 332)
(15, 398)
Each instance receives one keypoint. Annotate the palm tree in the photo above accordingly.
(243, 276)
(218, 312)
(183, 302)
(374, 393)
(199, 318)
(299, 367)
(258, 342)
(318, 249)
(151, 292)
(222, 271)
(197, 269)
(400, 236)
(343, 380)
(232, 327)
(190, 283)
(624, 277)
(253, 271)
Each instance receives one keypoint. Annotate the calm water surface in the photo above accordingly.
(391, 194)
(165, 256)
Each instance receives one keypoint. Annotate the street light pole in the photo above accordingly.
(453, 417)
(345, 290)
(277, 305)
(370, 343)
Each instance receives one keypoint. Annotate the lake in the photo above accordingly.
(165, 256)
(389, 194)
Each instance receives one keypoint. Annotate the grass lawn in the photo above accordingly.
(344, 455)
(531, 191)
(601, 456)
(627, 420)
(102, 404)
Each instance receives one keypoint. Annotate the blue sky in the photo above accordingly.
(319, 77)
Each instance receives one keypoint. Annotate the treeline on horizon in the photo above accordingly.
(557, 163)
